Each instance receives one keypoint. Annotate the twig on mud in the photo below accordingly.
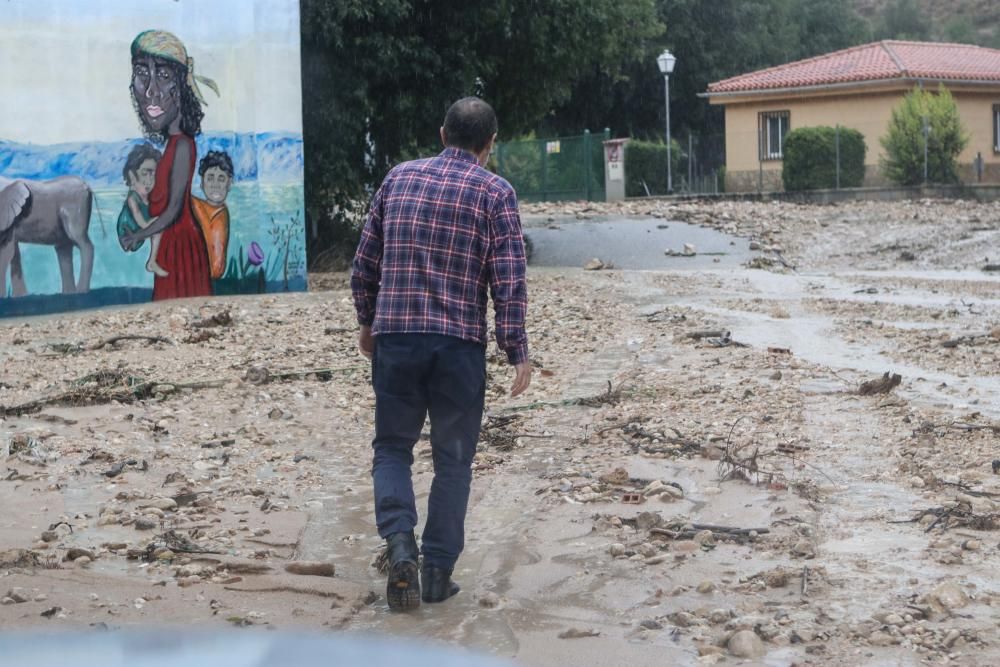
(967, 490)
(106, 386)
(679, 530)
(115, 339)
(958, 515)
(698, 335)
(261, 375)
(805, 581)
(611, 397)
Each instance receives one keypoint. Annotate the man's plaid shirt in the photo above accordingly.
(439, 232)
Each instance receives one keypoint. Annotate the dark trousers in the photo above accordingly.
(415, 375)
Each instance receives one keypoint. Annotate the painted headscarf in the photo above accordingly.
(162, 44)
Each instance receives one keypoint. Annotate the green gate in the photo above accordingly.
(563, 168)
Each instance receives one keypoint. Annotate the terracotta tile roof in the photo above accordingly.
(881, 60)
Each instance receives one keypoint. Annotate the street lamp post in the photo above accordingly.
(665, 61)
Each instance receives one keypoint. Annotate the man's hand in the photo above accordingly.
(366, 343)
(522, 378)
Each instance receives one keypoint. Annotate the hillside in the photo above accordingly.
(979, 19)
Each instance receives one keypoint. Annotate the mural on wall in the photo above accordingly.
(207, 200)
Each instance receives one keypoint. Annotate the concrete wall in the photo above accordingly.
(868, 111)
(70, 112)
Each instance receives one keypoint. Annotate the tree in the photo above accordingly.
(712, 41)
(378, 76)
(811, 154)
(904, 143)
(902, 19)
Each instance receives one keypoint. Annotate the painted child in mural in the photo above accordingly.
(139, 174)
(168, 102)
(212, 214)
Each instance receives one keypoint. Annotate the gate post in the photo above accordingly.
(614, 169)
(586, 160)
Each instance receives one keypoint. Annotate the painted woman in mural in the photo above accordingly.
(168, 101)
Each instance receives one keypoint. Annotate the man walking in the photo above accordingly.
(440, 232)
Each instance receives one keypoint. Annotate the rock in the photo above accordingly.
(83, 561)
(647, 520)
(593, 265)
(573, 633)
(683, 619)
(703, 537)
(879, 638)
(314, 568)
(489, 600)
(75, 553)
(947, 597)
(708, 649)
(50, 536)
(674, 491)
(653, 487)
(617, 549)
(746, 644)
(17, 596)
(142, 523)
(706, 587)
(776, 579)
(972, 545)
(893, 619)
(647, 549)
(165, 554)
(651, 624)
(655, 560)
(165, 504)
(917, 482)
(719, 616)
(776, 375)
(804, 549)
(685, 547)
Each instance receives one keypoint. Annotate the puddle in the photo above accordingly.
(635, 244)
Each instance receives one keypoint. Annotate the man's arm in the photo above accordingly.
(508, 287)
(367, 270)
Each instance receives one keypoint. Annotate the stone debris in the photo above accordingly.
(693, 463)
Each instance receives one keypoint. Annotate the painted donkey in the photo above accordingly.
(55, 213)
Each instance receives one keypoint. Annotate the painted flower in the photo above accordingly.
(255, 254)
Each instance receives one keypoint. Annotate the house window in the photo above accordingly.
(773, 126)
(996, 128)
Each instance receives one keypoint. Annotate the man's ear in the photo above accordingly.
(444, 139)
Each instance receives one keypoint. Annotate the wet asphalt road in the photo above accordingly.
(631, 243)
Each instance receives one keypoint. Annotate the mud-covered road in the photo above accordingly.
(693, 477)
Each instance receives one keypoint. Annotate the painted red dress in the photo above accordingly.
(183, 253)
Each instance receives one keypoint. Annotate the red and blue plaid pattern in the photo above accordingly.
(439, 233)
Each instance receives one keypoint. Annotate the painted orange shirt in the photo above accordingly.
(214, 223)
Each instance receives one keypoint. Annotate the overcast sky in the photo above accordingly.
(66, 66)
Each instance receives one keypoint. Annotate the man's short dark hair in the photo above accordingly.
(470, 124)
(218, 159)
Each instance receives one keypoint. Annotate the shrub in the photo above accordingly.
(810, 158)
(904, 143)
(646, 163)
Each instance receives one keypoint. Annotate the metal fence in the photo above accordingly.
(563, 168)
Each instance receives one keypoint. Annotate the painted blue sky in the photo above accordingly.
(67, 63)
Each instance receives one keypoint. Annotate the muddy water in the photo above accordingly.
(633, 244)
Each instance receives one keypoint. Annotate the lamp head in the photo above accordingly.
(666, 61)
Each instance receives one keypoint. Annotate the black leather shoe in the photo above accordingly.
(437, 584)
(402, 590)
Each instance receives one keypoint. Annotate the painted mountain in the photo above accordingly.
(268, 157)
